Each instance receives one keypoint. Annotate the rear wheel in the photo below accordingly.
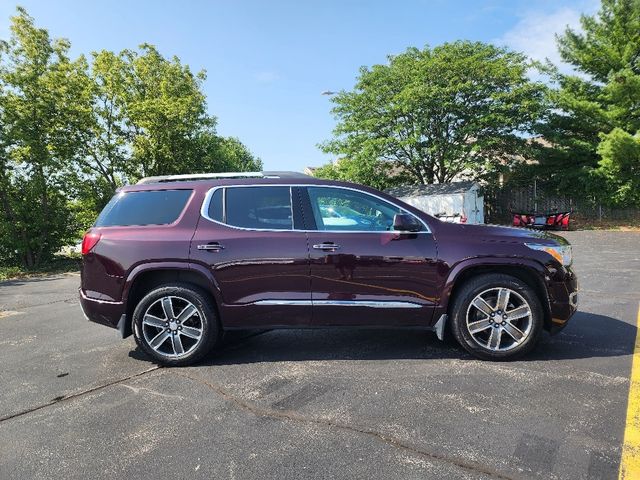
(175, 325)
(497, 317)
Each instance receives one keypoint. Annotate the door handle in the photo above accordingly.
(327, 246)
(213, 246)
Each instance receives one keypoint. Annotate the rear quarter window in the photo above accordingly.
(152, 207)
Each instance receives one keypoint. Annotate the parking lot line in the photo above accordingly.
(630, 461)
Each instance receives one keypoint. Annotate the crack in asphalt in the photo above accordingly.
(277, 414)
(64, 398)
(300, 418)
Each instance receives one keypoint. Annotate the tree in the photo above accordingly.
(436, 113)
(226, 154)
(373, 172)
(70, 134)
(103, 166)
(602, 94)
(44, 100)
(149, 117)
(620, 166)
(166, 113)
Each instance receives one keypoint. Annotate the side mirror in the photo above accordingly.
(406, 223)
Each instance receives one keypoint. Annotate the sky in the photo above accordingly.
(267, 62)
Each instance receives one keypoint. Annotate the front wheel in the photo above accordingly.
(497, 317)
(175, 324)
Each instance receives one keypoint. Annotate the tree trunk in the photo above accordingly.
(44, 235)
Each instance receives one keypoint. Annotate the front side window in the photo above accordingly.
(349, 210)
(258, 207)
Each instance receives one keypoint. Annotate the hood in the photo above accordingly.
(496, 233)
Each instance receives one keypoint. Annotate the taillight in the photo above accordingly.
(463, 218)
(89, 241)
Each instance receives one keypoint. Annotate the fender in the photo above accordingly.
(211, 282)
(214, 286)
(459, 268)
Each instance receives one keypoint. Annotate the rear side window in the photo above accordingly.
(259, 207)
(155, 207)
(215, 206)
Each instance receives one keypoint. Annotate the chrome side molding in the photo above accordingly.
(340, 303)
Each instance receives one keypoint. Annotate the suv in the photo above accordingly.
(178, 260)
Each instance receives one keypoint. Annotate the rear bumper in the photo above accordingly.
(562, 288)
(110, 314)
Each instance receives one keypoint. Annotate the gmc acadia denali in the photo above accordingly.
(178, 260)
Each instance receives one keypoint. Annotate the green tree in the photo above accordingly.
(43, 105)
(107, 148)
(166, 113)
(225, 154)
(150, 118)
(603, 93)
(620, 166)
(461, 107)
(373, 172)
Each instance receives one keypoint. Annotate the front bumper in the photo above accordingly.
(562, 288)
(111, 314)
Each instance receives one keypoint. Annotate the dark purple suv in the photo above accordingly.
(178, 260)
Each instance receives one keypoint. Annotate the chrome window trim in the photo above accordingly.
(339, 303)
(204, 210)
(224, 206)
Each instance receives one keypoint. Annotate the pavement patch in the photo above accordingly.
(300, 398)
(273, 385)
(537, 453)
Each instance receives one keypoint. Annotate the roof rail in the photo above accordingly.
(213, 176)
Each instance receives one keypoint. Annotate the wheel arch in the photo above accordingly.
(145, 278)
(528, 272)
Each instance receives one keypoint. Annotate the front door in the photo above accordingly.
(260, 263)
(362, 272)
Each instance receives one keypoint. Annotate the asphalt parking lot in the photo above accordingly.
(77, 402)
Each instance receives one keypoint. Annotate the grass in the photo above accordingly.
(60, 264)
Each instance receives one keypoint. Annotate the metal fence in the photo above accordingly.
(501, 202)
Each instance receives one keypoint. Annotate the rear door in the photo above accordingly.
(260, 262)
(363, 272)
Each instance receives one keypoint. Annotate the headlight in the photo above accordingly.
(562, 253)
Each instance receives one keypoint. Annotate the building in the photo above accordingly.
(458, 202)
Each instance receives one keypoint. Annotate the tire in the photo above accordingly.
(488, 330)
(176, 324)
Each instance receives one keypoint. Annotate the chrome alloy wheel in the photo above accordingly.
(499, 319)
(169, 333)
